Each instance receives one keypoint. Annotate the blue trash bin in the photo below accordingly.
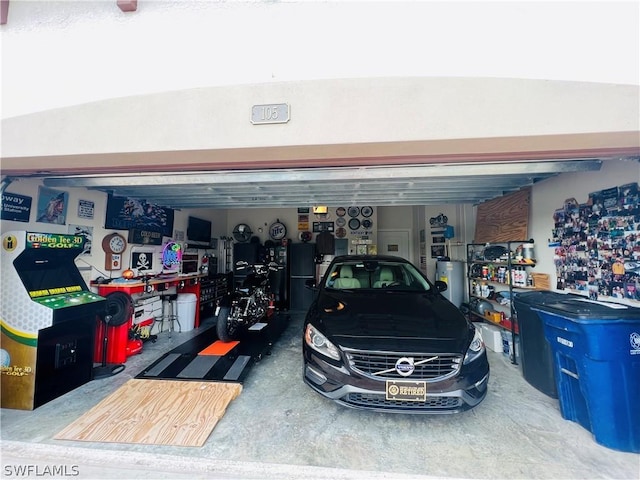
(596, 348)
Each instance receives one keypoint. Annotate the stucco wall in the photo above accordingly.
(406, 114)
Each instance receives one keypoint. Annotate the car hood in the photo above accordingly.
(392, 320)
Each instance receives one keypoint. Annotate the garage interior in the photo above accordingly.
(442, 147)
(516, 432)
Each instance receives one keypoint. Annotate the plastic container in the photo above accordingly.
(492, 337)
(536, 356)
(596, 347)
(187, 303)
(507, 346)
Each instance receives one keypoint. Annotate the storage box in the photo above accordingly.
(492, 337)
(541, 281)
(492, 316)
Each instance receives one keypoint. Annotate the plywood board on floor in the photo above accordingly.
(156, 412)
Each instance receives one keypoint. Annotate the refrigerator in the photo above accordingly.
(452, 273)
(302, 267)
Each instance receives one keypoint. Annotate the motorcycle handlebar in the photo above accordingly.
(273, 266)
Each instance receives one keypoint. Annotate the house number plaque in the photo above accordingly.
(270, 113)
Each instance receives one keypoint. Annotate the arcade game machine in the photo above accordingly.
(47, 319)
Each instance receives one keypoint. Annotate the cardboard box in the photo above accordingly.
(492, 337)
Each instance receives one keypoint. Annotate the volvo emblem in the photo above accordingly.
(405, 366)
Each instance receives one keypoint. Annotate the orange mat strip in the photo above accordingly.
(219, 348)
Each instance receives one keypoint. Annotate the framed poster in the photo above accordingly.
(124, 213)
(52, 206)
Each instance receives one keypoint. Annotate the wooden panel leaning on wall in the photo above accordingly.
(503, 219)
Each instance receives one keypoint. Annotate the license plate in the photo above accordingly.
(406, 390)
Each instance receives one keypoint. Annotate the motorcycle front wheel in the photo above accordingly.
(224, 327)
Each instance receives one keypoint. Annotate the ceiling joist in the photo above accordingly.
(375, 185)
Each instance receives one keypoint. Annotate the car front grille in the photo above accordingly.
(371, 400)
(372, 364)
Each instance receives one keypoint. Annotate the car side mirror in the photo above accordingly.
(441, 286)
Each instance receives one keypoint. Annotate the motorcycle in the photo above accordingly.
(248, 303)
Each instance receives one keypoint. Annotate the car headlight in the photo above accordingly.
(476, 348)
(319, 343)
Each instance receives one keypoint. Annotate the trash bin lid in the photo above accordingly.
(584, 310)
(541, 297)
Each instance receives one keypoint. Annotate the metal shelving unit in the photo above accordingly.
(476, 260)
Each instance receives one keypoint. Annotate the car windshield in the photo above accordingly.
(377, 274)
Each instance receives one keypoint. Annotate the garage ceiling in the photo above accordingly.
(430, 184)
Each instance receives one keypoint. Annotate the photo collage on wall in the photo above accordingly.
(597, 244)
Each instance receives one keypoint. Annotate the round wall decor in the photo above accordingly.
(340, 211)
(353, 211)
(277, 230)
(366, 211)
(354, 224)
(341, 222)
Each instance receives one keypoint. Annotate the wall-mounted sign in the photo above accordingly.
(15, 207)
(54, 241)
(171, 255)
(85, 209)
(144, 237)
(323, 227)
(270, 113)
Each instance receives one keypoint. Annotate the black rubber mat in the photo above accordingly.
(199, 366)
(184, 363)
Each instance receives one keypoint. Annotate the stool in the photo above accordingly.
(170, 312)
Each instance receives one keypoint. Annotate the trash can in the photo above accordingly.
(596, 348)
(535, 355)
(187, 311)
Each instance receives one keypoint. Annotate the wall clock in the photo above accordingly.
(366, 211)
(113, 245)
(353, 211)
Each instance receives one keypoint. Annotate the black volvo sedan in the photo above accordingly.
(380, 336)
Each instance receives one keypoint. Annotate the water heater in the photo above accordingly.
(452, 273)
